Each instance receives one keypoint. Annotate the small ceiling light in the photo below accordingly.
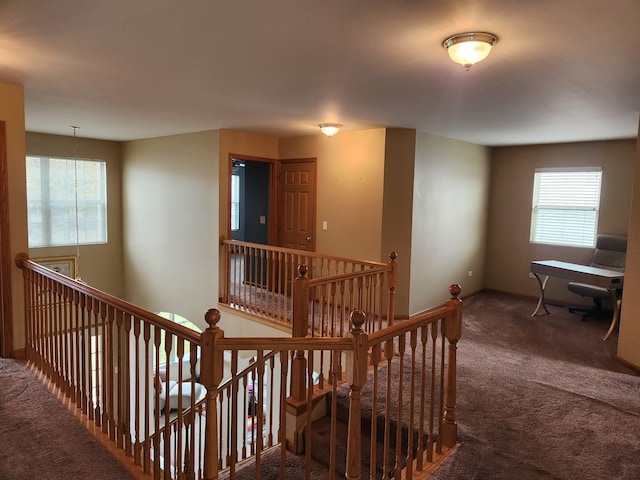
(329, 129)
(469, 48)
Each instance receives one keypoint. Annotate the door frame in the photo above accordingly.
(6, 316)
(272, 231)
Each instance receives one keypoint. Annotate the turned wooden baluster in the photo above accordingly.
(452, 331)
(300, 329)
(211, 376)
(358, 377)
(225, 278)
(392, 276)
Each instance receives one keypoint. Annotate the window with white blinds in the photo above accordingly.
(565, 206)
(66, 201)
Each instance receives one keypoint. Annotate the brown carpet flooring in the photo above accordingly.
(538, 398)
(541, 398)
(41, 439)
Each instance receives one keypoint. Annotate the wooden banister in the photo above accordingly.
(356, 379)
(259, 279)
(300, 329)
(392, 280)
(452, 331)
(106, 355)
(88, 295)
(211, 376)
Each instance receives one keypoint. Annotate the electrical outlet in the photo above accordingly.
(470, 274)
(325, 225)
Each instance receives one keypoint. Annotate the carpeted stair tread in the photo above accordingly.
(321, 446)
(342, 407)
(270, 467)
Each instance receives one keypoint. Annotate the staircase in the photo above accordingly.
(72, 328)
(385, 431)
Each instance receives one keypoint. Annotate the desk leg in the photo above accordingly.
(616, 313)
(542, 284)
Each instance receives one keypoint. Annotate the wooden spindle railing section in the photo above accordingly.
(114, 361)
(321, 308)
(419, 419)
(259, 279)
(331, 299)
(106, 355)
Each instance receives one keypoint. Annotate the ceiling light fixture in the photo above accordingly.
(329, 129)
(469, 48)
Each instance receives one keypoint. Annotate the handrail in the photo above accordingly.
(304, 253)
(412, 437)
(23, 261)
(382, 268)
(261, 280)
(118, 363)
(130, 371)
(246, 370)
(328, 343)
(408, 325)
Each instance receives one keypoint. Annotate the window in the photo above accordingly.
(169, 368)
(97, 387)
(565, 206)
(235, 202)
(66, 201)
(180, 320)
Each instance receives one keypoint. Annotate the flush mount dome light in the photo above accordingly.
(329, 129)
(469, 48)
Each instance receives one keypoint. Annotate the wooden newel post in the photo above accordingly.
(452, 331)
(393, 275)
(224, 274)
(299, 329)
(391, 298)
(357, 377)
(211, 367)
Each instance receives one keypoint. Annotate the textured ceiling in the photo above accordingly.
(120, 69)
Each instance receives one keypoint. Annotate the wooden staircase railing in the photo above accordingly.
(259, 279)
(113, 360)
(419, 424)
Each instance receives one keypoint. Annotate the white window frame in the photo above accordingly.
(235, 202)
(565, 206)
(97, 387)
(65, 208)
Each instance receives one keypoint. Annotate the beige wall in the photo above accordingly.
(397, 209)
(629, 335)
(509, 252)
(170, 205)
(450, 200)
(99, 265)
(350, 190)
(12, 113)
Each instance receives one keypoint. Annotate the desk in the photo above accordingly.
(611, 280)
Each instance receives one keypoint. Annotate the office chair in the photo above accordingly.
(610, 254)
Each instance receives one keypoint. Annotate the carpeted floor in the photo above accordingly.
(541, 398)
(538, 398)
(41, 439)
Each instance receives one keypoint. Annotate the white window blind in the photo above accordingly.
(235, 202)
(565, 206)
(66, 201)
